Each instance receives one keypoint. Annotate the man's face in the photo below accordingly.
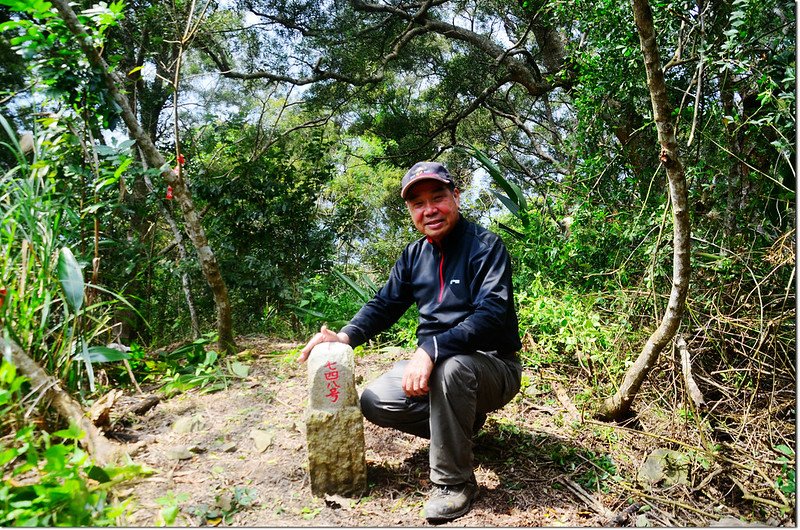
(433, 208)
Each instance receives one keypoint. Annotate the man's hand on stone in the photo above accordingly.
(417, 373)
(324, 335)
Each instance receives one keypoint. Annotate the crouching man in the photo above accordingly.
(465, 364)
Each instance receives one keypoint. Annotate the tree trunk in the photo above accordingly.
(154, 158)
(96, 444)
(618, 406)
(734, 177)
(182, 254)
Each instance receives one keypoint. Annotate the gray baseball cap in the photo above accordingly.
(425, 171)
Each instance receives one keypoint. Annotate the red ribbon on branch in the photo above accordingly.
(181, 162)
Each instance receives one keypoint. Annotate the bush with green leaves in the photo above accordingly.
(55, 484)
(45, 482)
(561, 324)
(593, 248)
(787, 479)
(193, 365)
(333, 299)
(329, 299)
(591, 470)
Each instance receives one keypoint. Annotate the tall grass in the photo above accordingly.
(43, 309)
(46, 479)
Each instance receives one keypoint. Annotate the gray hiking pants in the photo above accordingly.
(462, 388)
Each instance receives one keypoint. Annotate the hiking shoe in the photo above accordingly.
(449, 502)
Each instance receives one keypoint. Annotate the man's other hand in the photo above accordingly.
(417, 373)
(324, 335)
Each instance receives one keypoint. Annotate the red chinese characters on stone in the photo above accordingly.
(333, 391)
(332, 376)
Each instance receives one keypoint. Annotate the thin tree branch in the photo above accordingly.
(155, 159)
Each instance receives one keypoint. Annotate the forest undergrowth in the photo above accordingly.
(674, 463)
(542, 460)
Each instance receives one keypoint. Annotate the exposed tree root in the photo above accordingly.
(96, 444)
(686, 366)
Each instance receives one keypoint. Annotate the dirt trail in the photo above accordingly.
(520, 456)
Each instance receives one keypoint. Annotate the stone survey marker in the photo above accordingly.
(334, 424)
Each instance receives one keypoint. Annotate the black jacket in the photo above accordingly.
(463, 292)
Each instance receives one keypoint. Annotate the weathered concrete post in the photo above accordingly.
(334, 423)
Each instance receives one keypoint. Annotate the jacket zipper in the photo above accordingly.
(441, 268)
(441, 275)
